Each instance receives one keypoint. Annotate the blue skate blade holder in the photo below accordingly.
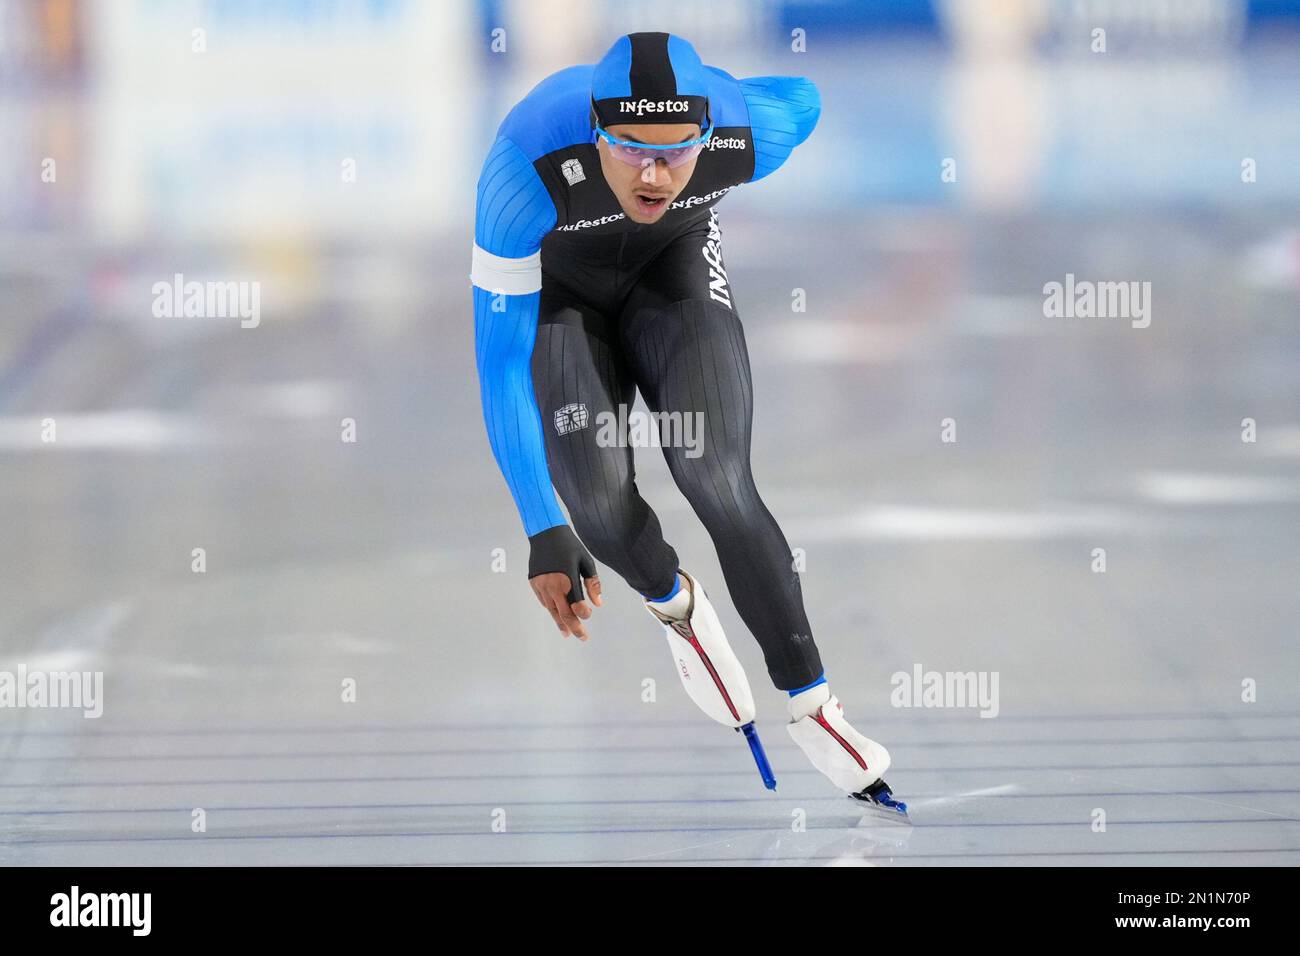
(760, 756)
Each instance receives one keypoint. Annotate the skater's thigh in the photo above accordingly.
(580, 377)
(689, 268)
(691, 363)
(682, 335)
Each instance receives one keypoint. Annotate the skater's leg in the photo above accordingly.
(577, 376)
(689, 356)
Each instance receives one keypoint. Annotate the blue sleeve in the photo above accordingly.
(514, 212)
(782, 113)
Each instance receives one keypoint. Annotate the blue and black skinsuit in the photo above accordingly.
(576, 307)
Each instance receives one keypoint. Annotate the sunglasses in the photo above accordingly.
(647, 154)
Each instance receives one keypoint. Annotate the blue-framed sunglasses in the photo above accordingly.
(643, 154)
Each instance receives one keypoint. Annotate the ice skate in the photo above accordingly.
(854, 763)
(707, 666)
(702, 657)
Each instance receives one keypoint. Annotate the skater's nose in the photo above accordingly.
(656, 174)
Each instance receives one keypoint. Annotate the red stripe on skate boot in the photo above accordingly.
(843, 743)
(695, 643)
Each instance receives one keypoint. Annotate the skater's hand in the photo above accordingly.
(552, 591)
(558, 568)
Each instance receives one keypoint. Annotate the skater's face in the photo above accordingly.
(646, 192)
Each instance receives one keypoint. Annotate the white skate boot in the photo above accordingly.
(702, 657)
(854, 763)
(708, 667)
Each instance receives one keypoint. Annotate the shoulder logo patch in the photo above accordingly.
(572, 170)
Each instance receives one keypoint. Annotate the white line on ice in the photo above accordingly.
(940, 524)
(1182, 488)
(123, 428)
(963, 797)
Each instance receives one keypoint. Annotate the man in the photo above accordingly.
(598, 271)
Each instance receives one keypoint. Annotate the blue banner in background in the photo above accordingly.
(1273, 9)
(867, 17)
(860, 16)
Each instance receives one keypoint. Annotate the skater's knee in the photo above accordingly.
(609, 529)
(634, 549)
(712, 474)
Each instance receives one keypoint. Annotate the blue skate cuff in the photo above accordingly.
(800, 690)
(677, 586)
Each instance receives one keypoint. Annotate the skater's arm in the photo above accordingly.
(514, 212)
(783, 110)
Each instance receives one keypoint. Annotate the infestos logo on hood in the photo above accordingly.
(641, 107)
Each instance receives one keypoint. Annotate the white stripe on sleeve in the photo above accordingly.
(511, 276)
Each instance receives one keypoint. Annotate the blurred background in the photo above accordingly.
(969, 152)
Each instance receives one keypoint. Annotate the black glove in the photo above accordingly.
(559, 550)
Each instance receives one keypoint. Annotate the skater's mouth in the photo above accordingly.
(650, 203)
